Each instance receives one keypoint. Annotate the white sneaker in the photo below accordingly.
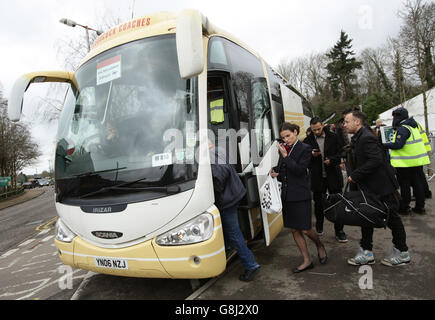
(397, 259)
(363, 257)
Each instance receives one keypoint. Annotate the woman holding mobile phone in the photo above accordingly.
(292, 172)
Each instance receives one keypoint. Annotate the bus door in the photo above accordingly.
(223, 122)
(264, 150)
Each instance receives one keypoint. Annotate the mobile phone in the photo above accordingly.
(280, 141)
(316, 150)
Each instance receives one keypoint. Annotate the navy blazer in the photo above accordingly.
(293, 173)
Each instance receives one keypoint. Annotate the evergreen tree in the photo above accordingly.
(342, 68)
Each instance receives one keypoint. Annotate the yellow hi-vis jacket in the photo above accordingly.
(413, 153)
(217, 111)
(425, 138)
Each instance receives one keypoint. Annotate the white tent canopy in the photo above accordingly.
(415, 109)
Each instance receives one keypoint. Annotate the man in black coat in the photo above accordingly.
(325, 171)
(373, 173)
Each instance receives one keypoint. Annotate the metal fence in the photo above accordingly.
(9, 194)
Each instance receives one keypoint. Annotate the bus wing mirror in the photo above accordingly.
(15, 104)
(190, 49)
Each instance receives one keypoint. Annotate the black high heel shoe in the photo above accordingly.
(296, 270)
(325, 258)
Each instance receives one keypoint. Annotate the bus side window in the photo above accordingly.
(218, 104)
(277, 113)
(261, 116)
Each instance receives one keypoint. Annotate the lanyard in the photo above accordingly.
(292, 148)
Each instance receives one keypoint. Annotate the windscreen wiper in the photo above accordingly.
(168, 190)
(91, 173)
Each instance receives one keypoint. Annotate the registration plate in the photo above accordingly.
(111, 263)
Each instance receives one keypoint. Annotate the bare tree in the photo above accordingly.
(70, 51)
(374, 74)
(316, 75)
(17, 150)
(417, 36)
(295, 72)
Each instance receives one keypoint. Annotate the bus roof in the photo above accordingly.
(138, 28)
(159, 23)
(148, 26)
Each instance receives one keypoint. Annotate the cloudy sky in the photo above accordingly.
(276, 29)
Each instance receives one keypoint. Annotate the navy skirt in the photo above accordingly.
(297, 215)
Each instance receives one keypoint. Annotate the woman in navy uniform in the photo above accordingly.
(292, 172)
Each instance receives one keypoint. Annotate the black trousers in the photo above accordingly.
(318, 206)
(411, 177)
(427, 192)
(394, 223)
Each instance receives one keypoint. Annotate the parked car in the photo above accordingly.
(42, 182)
(28, 185)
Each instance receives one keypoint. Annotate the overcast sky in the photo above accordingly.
(276, 29)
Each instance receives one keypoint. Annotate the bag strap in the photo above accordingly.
(347, 187)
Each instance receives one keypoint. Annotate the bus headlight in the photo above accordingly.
(63, 233)
(196, 230)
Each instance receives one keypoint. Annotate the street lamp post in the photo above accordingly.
(72, 23)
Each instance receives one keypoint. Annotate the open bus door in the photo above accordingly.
(270, 118)
(264, 150)
(272, 223)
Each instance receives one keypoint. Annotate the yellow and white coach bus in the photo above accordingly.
(134, 189)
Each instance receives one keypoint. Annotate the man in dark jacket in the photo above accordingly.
(325, 171)
(372, 173)
(228, 191)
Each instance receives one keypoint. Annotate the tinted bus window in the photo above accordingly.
(244, 67)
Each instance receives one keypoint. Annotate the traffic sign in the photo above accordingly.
(5, 181)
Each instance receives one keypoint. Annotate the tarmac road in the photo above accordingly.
(337, 280)
(18, 222)
(32, 270)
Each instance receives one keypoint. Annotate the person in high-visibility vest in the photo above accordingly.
(217, 115)
(408, 155)
(215, 100)
(427, 192)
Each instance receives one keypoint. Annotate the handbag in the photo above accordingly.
(271, 196)
(356, 208)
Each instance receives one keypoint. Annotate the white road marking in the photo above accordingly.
(10, 264)
(44, 283)
(38, 262)
(47, 238)
(8, 294)
(10, 252)
(23, 269)
(43, 232)
(41, 255)
(25, 243)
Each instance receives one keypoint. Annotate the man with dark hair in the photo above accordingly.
(325, 171)
(373, 173)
